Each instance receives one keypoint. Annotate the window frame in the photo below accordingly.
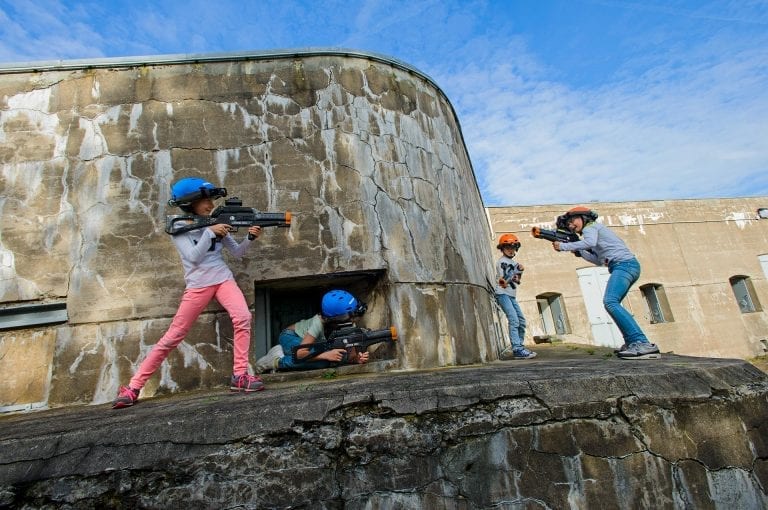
(554, 302)
(744, 282)
(655, 297)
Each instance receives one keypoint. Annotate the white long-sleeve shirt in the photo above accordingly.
(202, 257)
(506, 268)
(599, 245)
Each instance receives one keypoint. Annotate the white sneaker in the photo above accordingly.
(268, 362)
(640, 350)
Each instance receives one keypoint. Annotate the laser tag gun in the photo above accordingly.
(514, 279)
(563, 236)
(347, 336)
(232, 213)
(560, 235)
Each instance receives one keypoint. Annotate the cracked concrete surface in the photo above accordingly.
(566, 430)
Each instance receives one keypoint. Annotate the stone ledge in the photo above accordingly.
(607, 408)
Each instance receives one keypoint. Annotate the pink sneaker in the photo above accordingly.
(246, 382)
(126, 397)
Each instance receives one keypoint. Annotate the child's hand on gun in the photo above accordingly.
(254, 232)
(358, 357)
(220, 229)
(334, 355)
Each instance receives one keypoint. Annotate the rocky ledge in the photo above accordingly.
(573, 428)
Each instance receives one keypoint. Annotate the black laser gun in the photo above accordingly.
(347, 336)
(562, 236)
(514, 279)
(232, 213)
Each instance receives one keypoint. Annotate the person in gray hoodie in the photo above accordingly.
(601, 246)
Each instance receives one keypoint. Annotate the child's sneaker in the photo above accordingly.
(246, 382)
(507, 354)
(126, 397)
(268, 362)
(640, 350)
(523, 353)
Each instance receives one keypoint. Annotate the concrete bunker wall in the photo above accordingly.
(367, 154)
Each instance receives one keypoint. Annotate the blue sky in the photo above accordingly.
(560, 101)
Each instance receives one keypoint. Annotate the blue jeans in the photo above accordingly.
(514, 317)
(623, 275)
(288, 340)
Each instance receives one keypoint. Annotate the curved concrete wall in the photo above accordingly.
(366, 153)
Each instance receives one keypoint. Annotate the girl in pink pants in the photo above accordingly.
(207, 276)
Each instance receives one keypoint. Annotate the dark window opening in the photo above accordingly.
(745, 295)
(658, 306)
(280, 303)
(552, 314)
(28, 315)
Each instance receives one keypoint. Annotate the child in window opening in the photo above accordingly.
(336, 307)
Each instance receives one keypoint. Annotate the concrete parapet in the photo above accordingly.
(569, 429)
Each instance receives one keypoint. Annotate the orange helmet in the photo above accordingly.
(579, 210)
(510, 240)
(585, 212)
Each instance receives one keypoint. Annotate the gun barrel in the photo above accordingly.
(554, 235)
(382, 334)
(268, 219)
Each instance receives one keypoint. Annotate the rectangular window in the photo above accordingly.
(658, 306)
(745, 295)
(552, 314)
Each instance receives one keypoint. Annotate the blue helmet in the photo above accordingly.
(189, 189)
(340, 305)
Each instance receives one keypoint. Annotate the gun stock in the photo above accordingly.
(231, 213)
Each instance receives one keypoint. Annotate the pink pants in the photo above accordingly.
(193, 302)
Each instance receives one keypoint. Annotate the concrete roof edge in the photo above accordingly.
(622, 202)
(187, 58)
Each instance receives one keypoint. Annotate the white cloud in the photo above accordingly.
(694, 125)
(675, 116)
(46, 30)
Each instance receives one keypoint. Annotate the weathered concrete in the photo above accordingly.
(574, 428)
(367, 154)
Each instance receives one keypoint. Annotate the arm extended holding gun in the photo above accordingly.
(559, 235)
(348, 337)
(231, 213)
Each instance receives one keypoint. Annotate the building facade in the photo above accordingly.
(702, 291)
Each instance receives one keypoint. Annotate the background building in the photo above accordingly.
(702, 291)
